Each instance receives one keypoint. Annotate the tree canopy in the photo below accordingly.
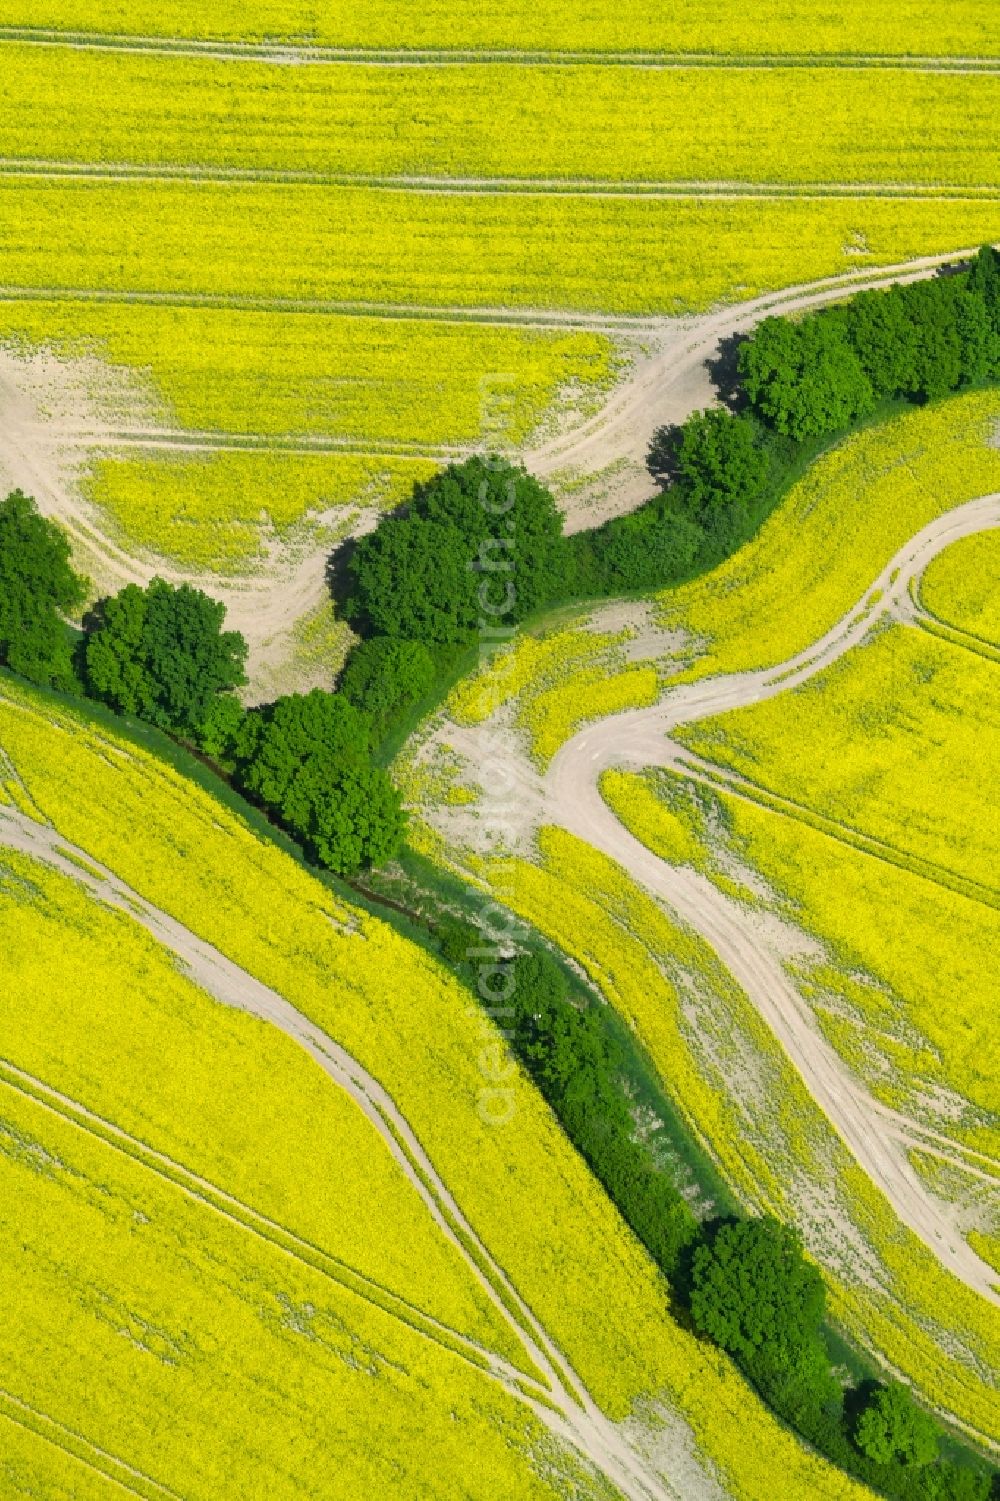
(305, 757)
(37, 587)
(892, 1427)
(382, 677)
(161, 654)
(828, 369)
(805, 378)
(717, 461)
(754, 1292)
(481, 540)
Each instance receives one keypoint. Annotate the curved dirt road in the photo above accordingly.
(674, 382)
(562, 1404)
(640, 738)
(662, 387)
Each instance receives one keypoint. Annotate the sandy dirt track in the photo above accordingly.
(570, 797)
(576, 1420)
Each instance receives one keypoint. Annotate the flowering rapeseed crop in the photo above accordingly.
(959, 586)
(559, 682)
(601, 253)
(835, 532)
(627, 125)
(960, 28)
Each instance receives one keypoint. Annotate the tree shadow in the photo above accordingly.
(337, 573)
(857, 1398)
(724, 372)
(661, 456)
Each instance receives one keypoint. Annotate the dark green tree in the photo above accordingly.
(885, 338)
(805, 378)
(161, 654)
(934, 309)
(221, 732)
(481, 540)
(718, 462)
(382, 677)
(348, 815)
(294, 731)
(984, 283)
(305, 758)
(37, 587)
(563, 1044)
(646, 549)
(892, 1428)
(754, 1293)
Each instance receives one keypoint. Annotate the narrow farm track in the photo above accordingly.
(251, 1221)
(300, 52)
(876, 1137)
(532, 318)
(125, 1477)
(566, 187)
(915, 612)
(569, 1413)
(191, 440)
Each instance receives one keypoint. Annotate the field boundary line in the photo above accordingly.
(527, 317)
(305, 50)
(649, 322)
(278, 1236)
(83, 1450)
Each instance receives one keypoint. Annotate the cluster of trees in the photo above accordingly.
(307, 759)
(745, 1284)
(480, 541)
(162, 654)
(832, 368)
(798, 384)
(751, 1289)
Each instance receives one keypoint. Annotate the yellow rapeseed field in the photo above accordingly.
(960, 28)
(411, 1025)
(221, 511)
(112, 1024)
(372, 380)
(590, 122)
(154, 1328)
(458, 250)
(895, 740)
(960, 586)
(835, 532)
(559, 682)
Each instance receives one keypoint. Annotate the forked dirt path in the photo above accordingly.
(563, 1405)
(639, 738)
